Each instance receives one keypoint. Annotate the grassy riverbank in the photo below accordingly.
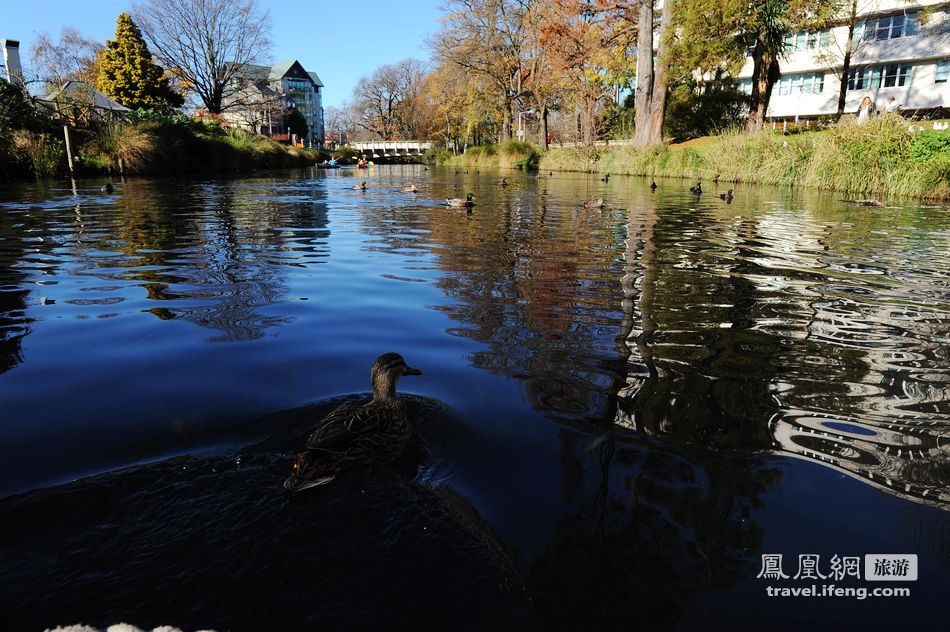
(883, 158)
(175, 144)
(514, 154)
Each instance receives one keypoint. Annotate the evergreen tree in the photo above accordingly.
(128, 75)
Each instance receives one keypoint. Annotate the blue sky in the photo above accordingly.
(340, 41)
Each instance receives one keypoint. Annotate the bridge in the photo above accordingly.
(392, 148)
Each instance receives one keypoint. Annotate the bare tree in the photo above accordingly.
(72, 57)
(207, 43)
(385, 101)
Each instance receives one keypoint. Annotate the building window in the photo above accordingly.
(745, 86)
(803, 40)
(806, 83)
(874, 77)
(888, 27)
(943, 71)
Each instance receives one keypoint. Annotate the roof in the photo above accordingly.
(81, 90)
(275, 72)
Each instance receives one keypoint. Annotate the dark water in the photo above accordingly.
(621, 411)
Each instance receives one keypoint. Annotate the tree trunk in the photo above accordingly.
(543, 135)
(660, 79)
(846, 62)
(643, 97)
(764, 74)
(506, 122)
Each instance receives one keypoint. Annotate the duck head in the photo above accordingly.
(386, 371)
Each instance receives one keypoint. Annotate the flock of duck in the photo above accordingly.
(378, 431)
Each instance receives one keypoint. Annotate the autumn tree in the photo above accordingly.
(206, 43)
(590, 43)
(73, 57)
(486, 38)
(128, 75)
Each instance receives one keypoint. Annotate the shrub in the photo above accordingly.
(519, 155)
(133, 144)
(43, 153)
(930, 145)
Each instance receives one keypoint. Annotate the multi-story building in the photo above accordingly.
(262, 93)
(899, 49)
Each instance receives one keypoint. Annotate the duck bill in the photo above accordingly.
(412, 371)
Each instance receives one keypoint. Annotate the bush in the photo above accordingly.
(930, 145)
(345, 154)
(43, 153)
(437, 156)
(519, 155)
(133, 144)
(694, 110)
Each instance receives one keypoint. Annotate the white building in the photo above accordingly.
(10, 68)
(900, 48)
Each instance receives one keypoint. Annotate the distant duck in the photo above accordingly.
(550, 173)
(459, 202)
(502, 183)
(594, 205)
(361, 186)
(107, 188)
(698, 189)
(727, 196)
(653, 185)
(410, 189)
(351, 436)
(606, 177)
(864, 202)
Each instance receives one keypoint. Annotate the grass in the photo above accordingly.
(164, 145)
(882, 158)
(513, 154)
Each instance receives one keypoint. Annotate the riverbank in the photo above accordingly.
(883, 159)
(159, 145)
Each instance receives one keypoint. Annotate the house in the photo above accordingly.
(259, 96)
(899, 48)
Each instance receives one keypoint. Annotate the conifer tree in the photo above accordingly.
(128, 75)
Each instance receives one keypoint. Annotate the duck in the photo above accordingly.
(592, 205)
(653, 186)
(361, 186)
(606, 178)
(459, 202)
(410, 189)
(727, 196)
(107, 188)
(502, 183)
(351, 436)
(698, 189)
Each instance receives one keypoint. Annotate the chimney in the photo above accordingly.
(11, 61)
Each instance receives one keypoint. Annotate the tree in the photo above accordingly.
(73, 57)
(206, 43)
(486, 38)
(127, 74)
(652, 79)
(295, 122)
(590, 43)
(385, 102)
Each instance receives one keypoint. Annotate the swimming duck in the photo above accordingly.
(653, 185)
(593, 205)
(502, 183)
(459, 202)
(351, 436)
(698, 189)
(361, 186)
(107, 188)
(727, 196)
(410, 189)
(606, 177)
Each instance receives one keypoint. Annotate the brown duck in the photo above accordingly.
(352, 436)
